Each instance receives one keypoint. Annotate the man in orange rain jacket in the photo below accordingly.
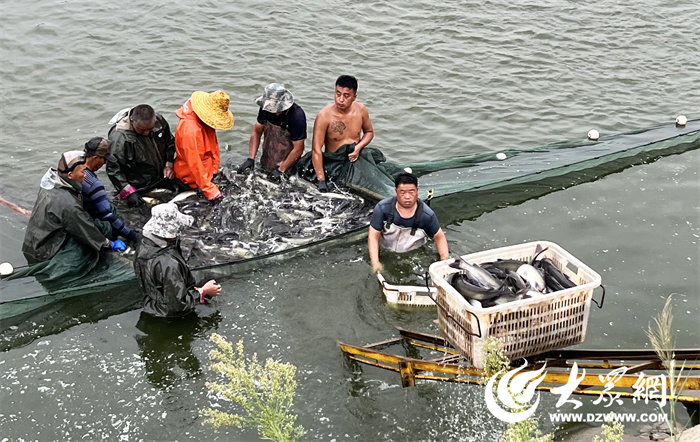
(195, 140)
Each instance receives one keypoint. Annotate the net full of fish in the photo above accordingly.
(505, 280)
(259, 217)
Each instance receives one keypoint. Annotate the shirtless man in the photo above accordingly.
(343, 123)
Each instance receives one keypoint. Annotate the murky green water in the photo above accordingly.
(440, 79)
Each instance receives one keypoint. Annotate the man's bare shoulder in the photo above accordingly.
(360, 107)
(326, 112)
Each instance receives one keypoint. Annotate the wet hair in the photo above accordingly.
(347, 81)
(405, 178)
(142, 114)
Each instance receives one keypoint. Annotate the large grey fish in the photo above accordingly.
(505, 299)
(476, 273)
(554, 278)
(505, 264)
(469, 291)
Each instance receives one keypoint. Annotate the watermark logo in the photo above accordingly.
(515, 394)
(515, 391)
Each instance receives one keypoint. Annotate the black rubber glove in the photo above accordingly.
(322, 187)
(248, 164)
(217, 200)
(134, 200)
(276, 175)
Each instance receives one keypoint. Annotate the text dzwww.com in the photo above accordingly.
(609, 417)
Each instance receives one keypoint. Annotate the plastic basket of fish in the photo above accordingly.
(407, 294)
(532, 298)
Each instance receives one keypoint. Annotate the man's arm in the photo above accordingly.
(254, 143)
(441, 243)
(373, 246)
(169, 148)
(97, 195)
(80, 227)
(293, 157)
(320, 129)
(115, 171)
(367, 134)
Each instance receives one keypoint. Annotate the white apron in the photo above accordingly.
(403, 239)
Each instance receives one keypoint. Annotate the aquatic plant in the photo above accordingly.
(264, 393)
(663, 341)
(525, 431)
(494, 357)
(497, 363)
(612, 432)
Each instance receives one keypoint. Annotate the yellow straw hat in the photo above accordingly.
(213, 109)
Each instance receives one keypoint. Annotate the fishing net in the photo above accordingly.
(371, 175)
(259, 219)
(486, 172)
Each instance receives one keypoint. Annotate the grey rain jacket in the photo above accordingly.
(165, 279)
(140, 160)
(57, 215)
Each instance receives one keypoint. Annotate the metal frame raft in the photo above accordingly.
(453, 367)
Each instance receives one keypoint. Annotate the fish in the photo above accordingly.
(505, 299)
(259, 216)
(506, 264)
(496, 271)
(183, 196)
(298, 241)
(533, 277)
(481, 276)
(517, 283)
(538, 251)
(241, 253)
(470, 291)
(554, 278)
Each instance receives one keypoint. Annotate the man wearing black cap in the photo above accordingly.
(58, 219)
(97, 152)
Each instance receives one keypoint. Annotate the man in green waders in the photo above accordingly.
(281, 124)
(60, 233)
(403, 223)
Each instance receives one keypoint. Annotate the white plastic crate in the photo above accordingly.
(523, 328)
(407, 294)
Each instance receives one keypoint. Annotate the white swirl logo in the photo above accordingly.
(515, 397)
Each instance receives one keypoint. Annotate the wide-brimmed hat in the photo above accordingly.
(167, 221)
(213, 109)
(70, 160)
(100, 147)
(275, 98)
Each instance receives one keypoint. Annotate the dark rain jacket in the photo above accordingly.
(165, 278)
(58, 215)
(140, 160)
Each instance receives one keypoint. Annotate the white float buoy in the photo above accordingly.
(593, 135)
(6, 269)
(681, 120)
(408, 170)
(501, 156)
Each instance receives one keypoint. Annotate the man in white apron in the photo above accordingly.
(404, 223)
(281, 124)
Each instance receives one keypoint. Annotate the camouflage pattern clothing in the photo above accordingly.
(275, 98)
